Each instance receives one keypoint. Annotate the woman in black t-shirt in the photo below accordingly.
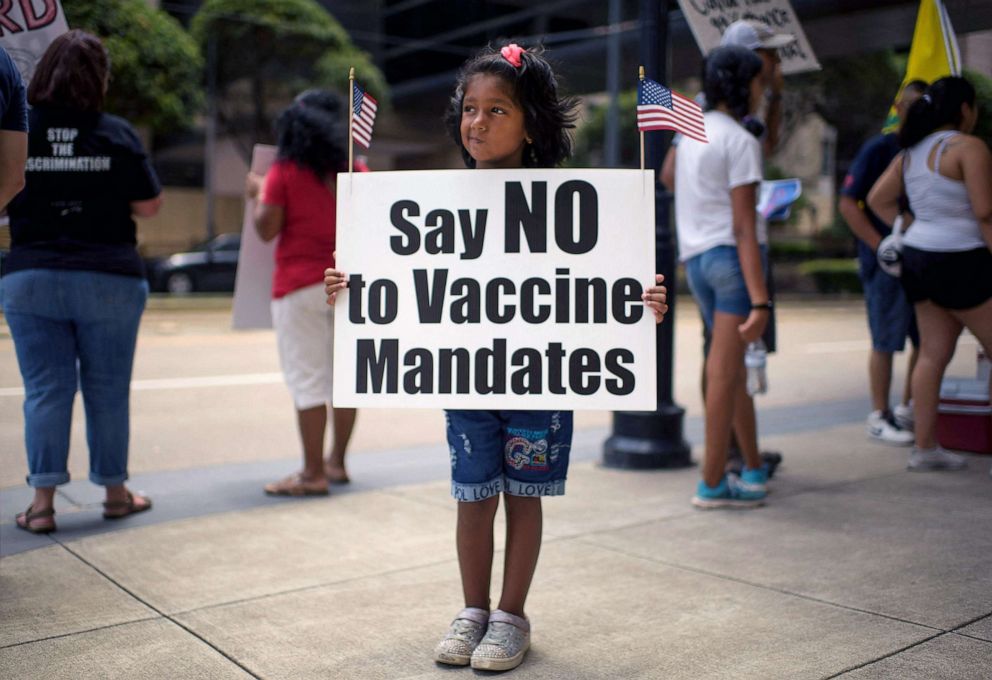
(74, 286)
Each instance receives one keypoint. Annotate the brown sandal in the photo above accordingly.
(111, 509)
(24, 520)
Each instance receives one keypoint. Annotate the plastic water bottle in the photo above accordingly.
(754, 360)
(984, 365)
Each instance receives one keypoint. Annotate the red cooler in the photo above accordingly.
(964, 415)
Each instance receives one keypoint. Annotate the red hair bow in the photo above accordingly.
(512, 54)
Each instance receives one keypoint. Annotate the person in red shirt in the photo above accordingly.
(297, 206)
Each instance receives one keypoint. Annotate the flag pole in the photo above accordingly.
(351, 120)
(640, 76)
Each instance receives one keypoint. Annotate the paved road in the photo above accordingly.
(205, 395)
(855, 570)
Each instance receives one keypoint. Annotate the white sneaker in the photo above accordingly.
(903, 415)
(937, 458)
(507, 640)
(884, 429)
(464, 635)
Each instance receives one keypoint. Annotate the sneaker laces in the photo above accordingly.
(464, 630)
(499, 633)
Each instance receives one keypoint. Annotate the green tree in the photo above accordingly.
(269, 50)
(854, 94)
(983, 99)
(155, 65)
(589, 139)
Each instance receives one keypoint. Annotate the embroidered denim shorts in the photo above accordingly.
(521, 453)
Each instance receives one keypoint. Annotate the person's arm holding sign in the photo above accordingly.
(773, 114)
(334, 282)
(269, 211)
(656, 297)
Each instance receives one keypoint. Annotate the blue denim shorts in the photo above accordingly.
(890, 315)
(717, 282)
(521, 453)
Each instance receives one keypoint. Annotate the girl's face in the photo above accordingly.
(492, 126)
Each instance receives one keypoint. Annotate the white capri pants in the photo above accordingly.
(304, 324)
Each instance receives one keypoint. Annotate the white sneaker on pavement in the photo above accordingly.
(468, 628)
(507, 640)
(937, 458)
(882, 427)
(903, 415)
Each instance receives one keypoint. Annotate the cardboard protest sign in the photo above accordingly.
(708, 19)
(256, 260)
(495, 289)
(27, 27)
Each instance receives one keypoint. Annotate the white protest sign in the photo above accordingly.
(708, 19)
(495, 289)
(256, 259)
(27, 27)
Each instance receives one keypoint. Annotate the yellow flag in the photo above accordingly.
(933, 54)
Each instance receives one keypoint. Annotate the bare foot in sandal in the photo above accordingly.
(116, 507)
(336, 474)
(36, 521)
(298, 485)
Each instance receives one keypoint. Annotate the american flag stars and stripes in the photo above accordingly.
(659, 108)
(364, 117)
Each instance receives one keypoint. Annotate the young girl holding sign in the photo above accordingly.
(506, 112)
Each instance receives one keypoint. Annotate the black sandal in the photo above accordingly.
(127, 505)
(29, 516)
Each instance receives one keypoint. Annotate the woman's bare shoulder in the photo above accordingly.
(967, 143)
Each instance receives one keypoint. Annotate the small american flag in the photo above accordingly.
(659, 108)
(364, 117)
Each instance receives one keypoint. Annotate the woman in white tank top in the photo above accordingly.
(946, 175)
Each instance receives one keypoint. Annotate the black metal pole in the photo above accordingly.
(645, 440)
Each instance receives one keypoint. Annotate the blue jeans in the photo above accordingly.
(890, 315)
(74, 328)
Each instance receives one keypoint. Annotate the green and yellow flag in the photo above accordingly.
(933, 54)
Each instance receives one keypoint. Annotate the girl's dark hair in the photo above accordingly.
(727, 75)
(548, 115)
(940, 105)
(72, 73)
(313, 134)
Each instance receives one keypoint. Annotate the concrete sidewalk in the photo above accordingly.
(855, 569)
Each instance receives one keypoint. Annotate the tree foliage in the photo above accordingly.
(155, 65)
(269, 50)
(590, 138)
(852, 93)
(983, 99)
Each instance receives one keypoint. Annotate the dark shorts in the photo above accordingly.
(958, 280)
(890, 315)
(521, 453)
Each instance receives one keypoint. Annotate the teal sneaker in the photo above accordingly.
(755, 479)
(731, 492)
